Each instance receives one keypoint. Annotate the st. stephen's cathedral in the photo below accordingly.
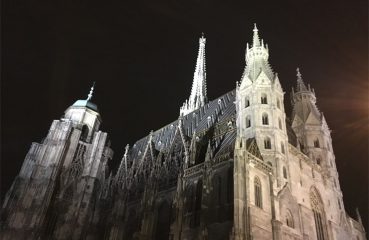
(231, 168)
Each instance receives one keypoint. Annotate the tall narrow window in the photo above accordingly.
(282, 148)
(318, 212)
(267, 143)
(264, 99)
(248, 122)
(217, 187)
(278, 104)
(318, 161)
(198, 203)
(258, 193)
(265, 119)
(285, 172)
(316, 143)
(289, 219)
(230, 185)
(247, 102)
(280, 123)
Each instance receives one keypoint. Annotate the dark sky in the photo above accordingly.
(142, 57)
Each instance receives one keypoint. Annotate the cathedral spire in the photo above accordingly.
(198, 96)
(257, 60)
(256, 39)
(89, 96)
(300, 83)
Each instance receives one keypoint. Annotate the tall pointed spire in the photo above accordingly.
(89, 96)
(255, 39)
(198, 96)
(300, 83)
(257, 59)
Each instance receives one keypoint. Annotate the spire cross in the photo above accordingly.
(255, 40)
(89, 96)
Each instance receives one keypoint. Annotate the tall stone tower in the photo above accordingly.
(55, 193)
(314, 139)
(260, 108)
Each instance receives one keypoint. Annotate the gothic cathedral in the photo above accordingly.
(232, 168)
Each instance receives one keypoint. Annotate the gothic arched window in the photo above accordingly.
(248, 122)
(258, 193)
(84, 133)
(267, 143)
(282, 148)
(230, 185)
(264, 99)
(285, 172)
(198, 202)
(247, 102)
(289, 219)
(319, 216)
(318, 161)
(280, 123)
(217, 186)
(265, 119)
(278, 104)
(316, 143)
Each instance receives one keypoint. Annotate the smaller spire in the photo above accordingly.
(299, 76)
(358, 216)
(256, 40)
(125, 158)
(89, 96)
(300, 83)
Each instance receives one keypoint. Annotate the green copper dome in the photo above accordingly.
(86, 104)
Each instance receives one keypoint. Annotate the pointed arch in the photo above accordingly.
(280, 123)
(248, 121)
(217, 187)
(198, 203)
(265, 119)
(282, 148)
(284, 172)
(289, 219)
(247, 102)
(258, 192)
(230, 185)
(278, 103)
(264, 98)
(319, 214)
(267, 143)
(316, 143)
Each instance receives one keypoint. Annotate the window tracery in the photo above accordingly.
(258, 193)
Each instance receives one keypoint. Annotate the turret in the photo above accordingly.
(198, 96)
(307, 121)
(313, 133)
(85, 112)
(260, 102)
(260, 109)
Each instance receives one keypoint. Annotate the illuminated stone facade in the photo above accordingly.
(231, 168)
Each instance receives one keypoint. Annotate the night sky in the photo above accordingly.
(142, 57)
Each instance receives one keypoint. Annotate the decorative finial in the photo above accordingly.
(299, 75)
(255, 40)
(202, 34)
(255, 28)
(89, 96)
(126, 150)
